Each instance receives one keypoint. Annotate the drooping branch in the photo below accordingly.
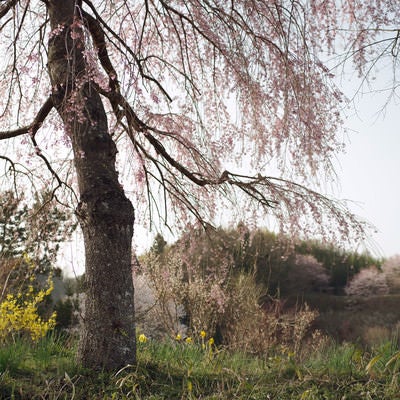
(5, 8)
(176, 162)
(34, 126)
(122, 109)
(95, 27)
(8, 160)
(283, 196)
(12, 168)
(32, 130)
(267, 191)
(55, 175)
(100, 43)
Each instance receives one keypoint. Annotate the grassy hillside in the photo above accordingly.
(180, 370)
(267, 349)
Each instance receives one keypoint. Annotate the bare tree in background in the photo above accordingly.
(156, 80)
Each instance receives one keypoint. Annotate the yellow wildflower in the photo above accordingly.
(142, 338)
(203, 334)
(211, 341)
(178, 337)
(189, 340)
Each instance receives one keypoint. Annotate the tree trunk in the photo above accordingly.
(106, 216)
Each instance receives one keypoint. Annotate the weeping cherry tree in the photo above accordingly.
(110, 103)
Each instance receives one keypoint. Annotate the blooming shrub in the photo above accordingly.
(376, 281)
(155, 310)
(206, 283)
(391, 269)
(184, 290)
(308, 275)
(19, 314)
(368, 282)
(234, 314)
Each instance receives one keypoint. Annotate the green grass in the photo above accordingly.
(172, 370)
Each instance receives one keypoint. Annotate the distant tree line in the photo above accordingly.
(276, 262)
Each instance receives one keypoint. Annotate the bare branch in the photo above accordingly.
(159, 148)
(60, 182)
(34, 126)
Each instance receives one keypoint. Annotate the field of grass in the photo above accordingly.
(180, 370)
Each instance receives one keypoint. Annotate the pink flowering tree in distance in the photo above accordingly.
(175, 93)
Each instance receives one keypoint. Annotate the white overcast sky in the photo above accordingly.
(369, 172)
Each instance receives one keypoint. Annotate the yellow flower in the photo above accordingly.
(189, 340)
(211, 341)
(22, 316)
(178, 337)
(142, 338)
(203, 334)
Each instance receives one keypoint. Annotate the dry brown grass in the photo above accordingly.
(259, 329)
(376, 335)
(351, 318)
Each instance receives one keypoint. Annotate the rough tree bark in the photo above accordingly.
(106, 216)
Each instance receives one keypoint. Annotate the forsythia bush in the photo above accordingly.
(19, 314)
